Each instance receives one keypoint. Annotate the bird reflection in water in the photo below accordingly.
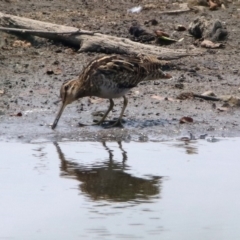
(109, 181)
(189, 147)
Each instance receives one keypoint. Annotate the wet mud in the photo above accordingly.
(31, 76)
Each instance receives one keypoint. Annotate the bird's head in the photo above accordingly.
(68, 94)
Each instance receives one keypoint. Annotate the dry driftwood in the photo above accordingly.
(88, 41)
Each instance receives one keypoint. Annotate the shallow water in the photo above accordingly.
(90, 190)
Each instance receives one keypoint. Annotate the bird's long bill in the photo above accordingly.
(58, 115)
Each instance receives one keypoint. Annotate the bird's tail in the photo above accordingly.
(154, 68)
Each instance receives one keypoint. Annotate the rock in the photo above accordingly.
(203, 136)
(218, 31)
(136, 30)
(140, 35)
(201, 28)
(153, 22)
(182, 78)
(198, 27)
(49, 71)
(180, 28)
(179, 85)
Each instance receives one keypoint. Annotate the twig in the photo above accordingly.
(206, 97)
(179, 11)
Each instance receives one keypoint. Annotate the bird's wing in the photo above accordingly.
(121, 71)
(118, 65)
(125, 72)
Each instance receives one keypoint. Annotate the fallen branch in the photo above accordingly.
(17, 30)
(88, 41)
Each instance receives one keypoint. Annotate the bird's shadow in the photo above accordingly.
(131, 123)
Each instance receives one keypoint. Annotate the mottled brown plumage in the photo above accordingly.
(110, 77)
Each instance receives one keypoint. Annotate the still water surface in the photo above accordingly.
(85, 190)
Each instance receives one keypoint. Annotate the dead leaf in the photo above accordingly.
(212, 5)
(20, 43)
(222, 109)
(234, 101)
(209, 93)
(2, 92)
(209, 44)
(225, 98)
(57, 71)
(158, 97)
(19, 114)
(160, 33)
(185, 95)
(95, 100)
(231, 100)
(186, 120)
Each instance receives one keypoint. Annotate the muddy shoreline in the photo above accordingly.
(153, 111)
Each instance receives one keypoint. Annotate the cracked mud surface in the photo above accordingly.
(153, 111)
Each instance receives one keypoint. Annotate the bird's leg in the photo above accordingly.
(118, 123)
(104, 116)
(106, 113)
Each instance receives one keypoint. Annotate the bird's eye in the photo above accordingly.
(66, 88)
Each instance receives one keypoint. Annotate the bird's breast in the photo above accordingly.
(112, 92)
(111, 85)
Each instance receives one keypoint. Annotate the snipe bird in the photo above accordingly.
(110, 77)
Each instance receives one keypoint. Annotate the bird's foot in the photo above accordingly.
(98, 123)
(87, 125)
(83, 125)
(105, 124)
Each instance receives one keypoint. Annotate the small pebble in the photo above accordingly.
(49, 71)
(179, 85)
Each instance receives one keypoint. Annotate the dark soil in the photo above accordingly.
(31, 76)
